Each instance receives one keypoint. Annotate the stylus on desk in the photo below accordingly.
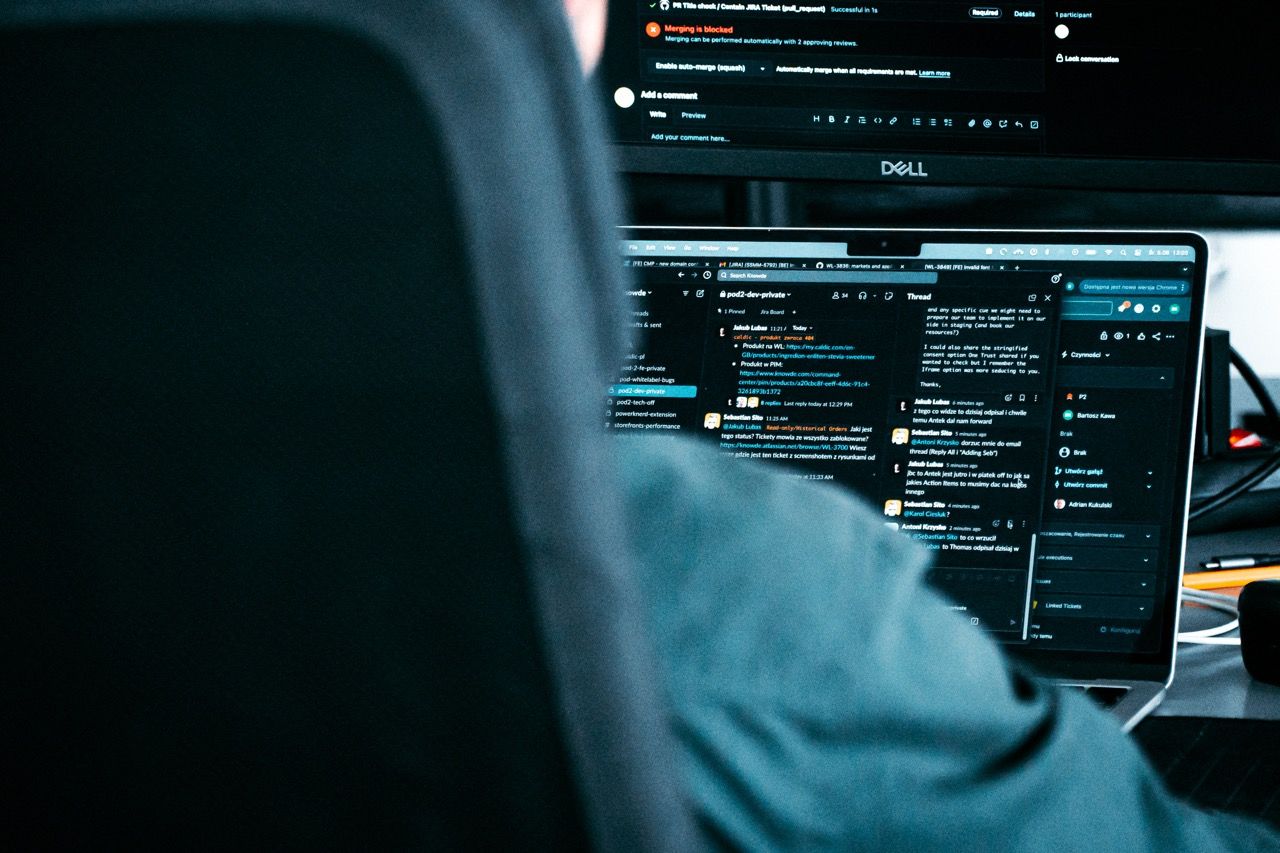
(1240, 561)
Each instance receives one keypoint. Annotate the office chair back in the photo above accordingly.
(277, 575)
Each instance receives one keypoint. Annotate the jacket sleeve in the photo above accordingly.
(825, 697)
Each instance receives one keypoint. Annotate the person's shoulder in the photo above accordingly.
(689, 481)
(748, 568)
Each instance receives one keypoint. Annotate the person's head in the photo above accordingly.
(586, 21)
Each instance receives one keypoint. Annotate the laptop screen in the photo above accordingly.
(1019, 403)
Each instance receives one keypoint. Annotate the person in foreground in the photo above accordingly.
(824, 697)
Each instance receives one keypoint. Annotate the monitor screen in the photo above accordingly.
(1019, 403)
(1141, 94)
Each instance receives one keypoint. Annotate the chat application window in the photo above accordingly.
(981, 403)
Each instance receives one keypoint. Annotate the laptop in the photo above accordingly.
(1021, 403)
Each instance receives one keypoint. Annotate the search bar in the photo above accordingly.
(822, 277)
(1079, 308)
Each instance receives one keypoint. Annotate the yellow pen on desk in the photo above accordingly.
(1223, 579)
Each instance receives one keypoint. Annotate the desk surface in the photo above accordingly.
(1210, 681)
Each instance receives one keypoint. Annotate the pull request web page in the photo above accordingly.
(1125, 78)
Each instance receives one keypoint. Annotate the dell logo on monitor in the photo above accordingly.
(903, 169)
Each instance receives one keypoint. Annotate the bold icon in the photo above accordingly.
(653, 29)
(1155, 309)
(893, 508)
(900, 435)
(711, 420)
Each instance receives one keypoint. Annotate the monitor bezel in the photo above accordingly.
(942, 169)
